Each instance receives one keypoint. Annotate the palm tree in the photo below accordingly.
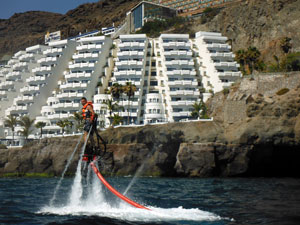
(196, 110)
(40, 125)
(117, 119)
(111, 106)
(11, 122)
(240, 57)
(253, 55)
(69, 123)
(61, 124)
(129, 90)
(200, 110)
(26, 123)
(79, 120)
(285, 44)
(116, 90)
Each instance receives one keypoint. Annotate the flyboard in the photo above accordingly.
(114, 191)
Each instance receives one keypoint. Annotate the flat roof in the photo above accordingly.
(152, 3)
(130, 36)
(175, 36)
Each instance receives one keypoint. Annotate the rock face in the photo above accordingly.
(258, 23)
(23, 30)
(255, 132)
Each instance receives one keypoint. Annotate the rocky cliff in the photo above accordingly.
(255, 132)
(250, 23)
(26, 29)
(258, 23)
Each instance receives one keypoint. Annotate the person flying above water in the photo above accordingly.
(88, 115)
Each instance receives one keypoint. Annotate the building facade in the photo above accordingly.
(170, 74)
(192, 7)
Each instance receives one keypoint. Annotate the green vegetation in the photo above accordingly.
(78, 121)
(26, 123)
(226, 91)
(2, 146)
(11, 122)
(250, 59)
(129, 90)
(64, 124)
(111, 106)
(116, 120)
(155, 27)
(199, 111)
(40, 125)
(28, 175)
(208, 14)
(282, 91)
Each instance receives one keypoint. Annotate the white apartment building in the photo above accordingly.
(88, 70)
(217, 66)
(130, 64)
(47, 82)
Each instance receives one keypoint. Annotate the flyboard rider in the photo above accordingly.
(88, 116)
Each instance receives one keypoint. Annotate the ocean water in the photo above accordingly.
(212, 201)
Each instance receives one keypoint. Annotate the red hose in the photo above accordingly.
(114, 191)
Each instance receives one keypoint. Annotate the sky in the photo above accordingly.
(9, 7)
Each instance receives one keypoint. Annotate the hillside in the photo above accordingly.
(258, 23)
(250, 23)
(26, 29)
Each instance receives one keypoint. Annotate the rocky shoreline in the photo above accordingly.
(255, 132)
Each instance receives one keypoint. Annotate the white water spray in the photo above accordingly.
(63, 173)
(136, 175)
(77, 189)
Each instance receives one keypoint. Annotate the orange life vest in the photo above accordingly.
(87, 114)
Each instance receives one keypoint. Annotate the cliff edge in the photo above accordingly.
(255, 132)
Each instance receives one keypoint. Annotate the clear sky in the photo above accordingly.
(9, 7)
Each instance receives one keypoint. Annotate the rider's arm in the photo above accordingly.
(91, 110)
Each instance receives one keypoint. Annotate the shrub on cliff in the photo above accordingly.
(282, 91)
(2, 146)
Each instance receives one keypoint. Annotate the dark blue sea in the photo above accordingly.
(210, 201)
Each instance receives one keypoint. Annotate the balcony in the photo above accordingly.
(24, 99)
(70, 95)
(75, 76)
(3, 94)
(26, 57)
(181, 73)
(29, 89)
(85, 56)
(123, 82)
(225, 47)
(81, 65)
(176, 44)
(42, 69)
(52, 51)
(36, 80)
(222, 55)
(89, 47)
(181, 114)
(48, 60)
(131, 45)
(73, 85)
(129, 63)
(125, 114)
(67, 105)
(227, 64)
(178, 53)
(184, 92)
(179, 62)
(131, 53)
(20, 66)
(7, 85)
(182, 83)
(229, 74)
